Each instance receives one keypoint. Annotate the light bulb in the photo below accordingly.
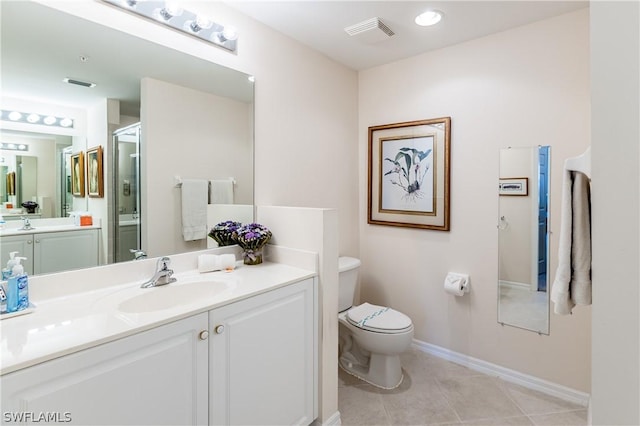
(33, 118)
(66, 122)
(15, 116)
(49, 120)
(230, 33)
(428, 18)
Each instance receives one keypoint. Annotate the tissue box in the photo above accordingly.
(86, 220)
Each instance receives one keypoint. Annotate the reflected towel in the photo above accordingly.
(194, 209)
(572, 284)
(221, 191)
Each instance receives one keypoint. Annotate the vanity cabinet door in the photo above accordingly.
(262, 361)
(23, 244)
(157, 377)
(61, 251)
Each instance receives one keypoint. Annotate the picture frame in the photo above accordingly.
(514, 186)
(77, 174)
(409, 174)
(95, 177)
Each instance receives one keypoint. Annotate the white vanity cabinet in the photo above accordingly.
(49, 252)
(251, 361)
(156, 377)
(262, 362)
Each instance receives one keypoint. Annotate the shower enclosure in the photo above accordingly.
(126, 193)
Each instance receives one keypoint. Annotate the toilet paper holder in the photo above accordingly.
(460, 279)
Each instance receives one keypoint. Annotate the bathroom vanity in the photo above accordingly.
(51, 245)
(214, 348)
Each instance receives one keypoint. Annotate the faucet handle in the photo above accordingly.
(163, 263)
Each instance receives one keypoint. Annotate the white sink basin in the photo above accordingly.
(172, 295)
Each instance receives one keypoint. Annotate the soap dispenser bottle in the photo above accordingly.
(8, 271)
(18, 288)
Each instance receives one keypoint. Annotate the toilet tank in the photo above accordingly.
(348, 268)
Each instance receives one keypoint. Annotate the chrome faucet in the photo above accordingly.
(26, 224)
(138, 254)
(162, 276)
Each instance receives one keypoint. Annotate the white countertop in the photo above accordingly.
(63, 325)
(42, 226)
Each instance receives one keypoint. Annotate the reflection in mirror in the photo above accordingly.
(196, 119)
(523, 238)
(126, 192)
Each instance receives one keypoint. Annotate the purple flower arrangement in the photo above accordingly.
(252, 238)
(225, 233)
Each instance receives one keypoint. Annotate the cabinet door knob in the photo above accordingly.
(204, 334)
(219, 329)
(37, 241)
(29, 242)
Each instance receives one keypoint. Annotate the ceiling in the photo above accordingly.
(34, 62)
(320, 24)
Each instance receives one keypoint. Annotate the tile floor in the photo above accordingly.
(437, 392)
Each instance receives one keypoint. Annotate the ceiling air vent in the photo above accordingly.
(78, 82)
(371, 31)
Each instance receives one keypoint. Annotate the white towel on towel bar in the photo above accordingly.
(221, 191)
(194, 209)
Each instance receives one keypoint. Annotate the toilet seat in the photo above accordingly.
(379, 319)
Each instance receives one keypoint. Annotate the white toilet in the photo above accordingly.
(371, 338)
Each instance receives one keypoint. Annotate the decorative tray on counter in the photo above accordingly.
(28, 310)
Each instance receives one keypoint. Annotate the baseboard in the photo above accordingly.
(334, 420)
(514, 284)
(512, 376)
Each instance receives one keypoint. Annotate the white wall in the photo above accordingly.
(615, 126)
(522, 87)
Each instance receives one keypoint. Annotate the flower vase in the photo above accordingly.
(252, 257)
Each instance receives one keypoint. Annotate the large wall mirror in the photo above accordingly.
(523, 233)
(196, 120)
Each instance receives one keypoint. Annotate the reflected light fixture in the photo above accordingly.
(7, 146)
(33, 118)
(428, 18)
(171, 14)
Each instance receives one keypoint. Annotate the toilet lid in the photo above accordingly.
(378, 318)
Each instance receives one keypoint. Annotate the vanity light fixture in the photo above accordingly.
(33, 118)
(428, 18)
(14, 147)
(171, 14)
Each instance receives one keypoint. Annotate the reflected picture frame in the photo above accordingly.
(514, 186)
(77, 174)
(95, 177)
(409, 174)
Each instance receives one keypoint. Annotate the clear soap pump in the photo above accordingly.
(17, 288)
(8, 271)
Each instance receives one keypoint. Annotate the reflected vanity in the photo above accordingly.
(523, 238)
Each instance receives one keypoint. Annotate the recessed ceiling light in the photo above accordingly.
(428, 18)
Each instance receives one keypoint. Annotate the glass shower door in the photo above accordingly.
(126, 187)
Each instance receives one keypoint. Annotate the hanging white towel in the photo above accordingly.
(194, 209)
(572, 284)
(221, 191)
